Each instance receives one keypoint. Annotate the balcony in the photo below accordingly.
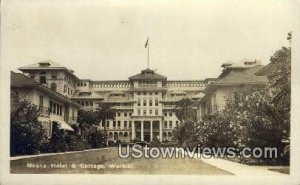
(168, 106)
(123, 107)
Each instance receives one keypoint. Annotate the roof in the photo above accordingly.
(148, 74)
(237, 76)
(19, 80)
(241, 76)
(91, 96)
(242, 64)
(268, 69)
(46, 65)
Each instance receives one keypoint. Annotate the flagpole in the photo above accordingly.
(148, 55)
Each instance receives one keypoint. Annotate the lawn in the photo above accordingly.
(108, 162)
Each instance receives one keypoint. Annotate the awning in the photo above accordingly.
(63, 125)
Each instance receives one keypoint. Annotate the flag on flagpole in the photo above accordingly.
(146, 44)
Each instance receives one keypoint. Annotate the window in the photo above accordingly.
(125, 124)
(170, 113)
(139, 112)
(144, 93)
(119, 124)
(144, 112)
(129, 124)
(54, 75)
(150, 102)
(156, 93)
(149, 83)
(43, 79)
(170, 124)
(150, 112)
(144, 102)
(125, 114)
(107, 124)
(166, 114)
(139, 102)
(166, 124)
(139, 93)
(65, 88)
(114, 124)
(53, 87)
(119, 114)
(156, 102)
(57, 109)
(156, 112)
(50, 107)
(41, 102)
(54, 108)
(60, 112)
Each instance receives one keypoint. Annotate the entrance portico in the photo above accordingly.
(147, 130)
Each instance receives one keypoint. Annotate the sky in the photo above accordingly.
(104, 40)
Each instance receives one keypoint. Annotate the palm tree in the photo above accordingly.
(105, 112)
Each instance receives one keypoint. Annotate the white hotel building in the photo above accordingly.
(144, 103)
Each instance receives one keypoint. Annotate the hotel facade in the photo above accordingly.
(144, 103)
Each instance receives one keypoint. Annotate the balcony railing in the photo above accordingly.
(168, 106)
(122, 107)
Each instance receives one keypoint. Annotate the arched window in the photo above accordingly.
(53, 87)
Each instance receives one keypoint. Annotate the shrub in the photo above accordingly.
(26, 134)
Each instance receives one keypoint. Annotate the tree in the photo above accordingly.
(188, 118)
(27, 133)
(185, 132)
(88, 124)
(280, 84)
(215, 130)
(86, 120)
(184, 110)
(105, 112)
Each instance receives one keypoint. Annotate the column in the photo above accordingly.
(142, 130)
(151, 131)
(132, 130)
(160, 130)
